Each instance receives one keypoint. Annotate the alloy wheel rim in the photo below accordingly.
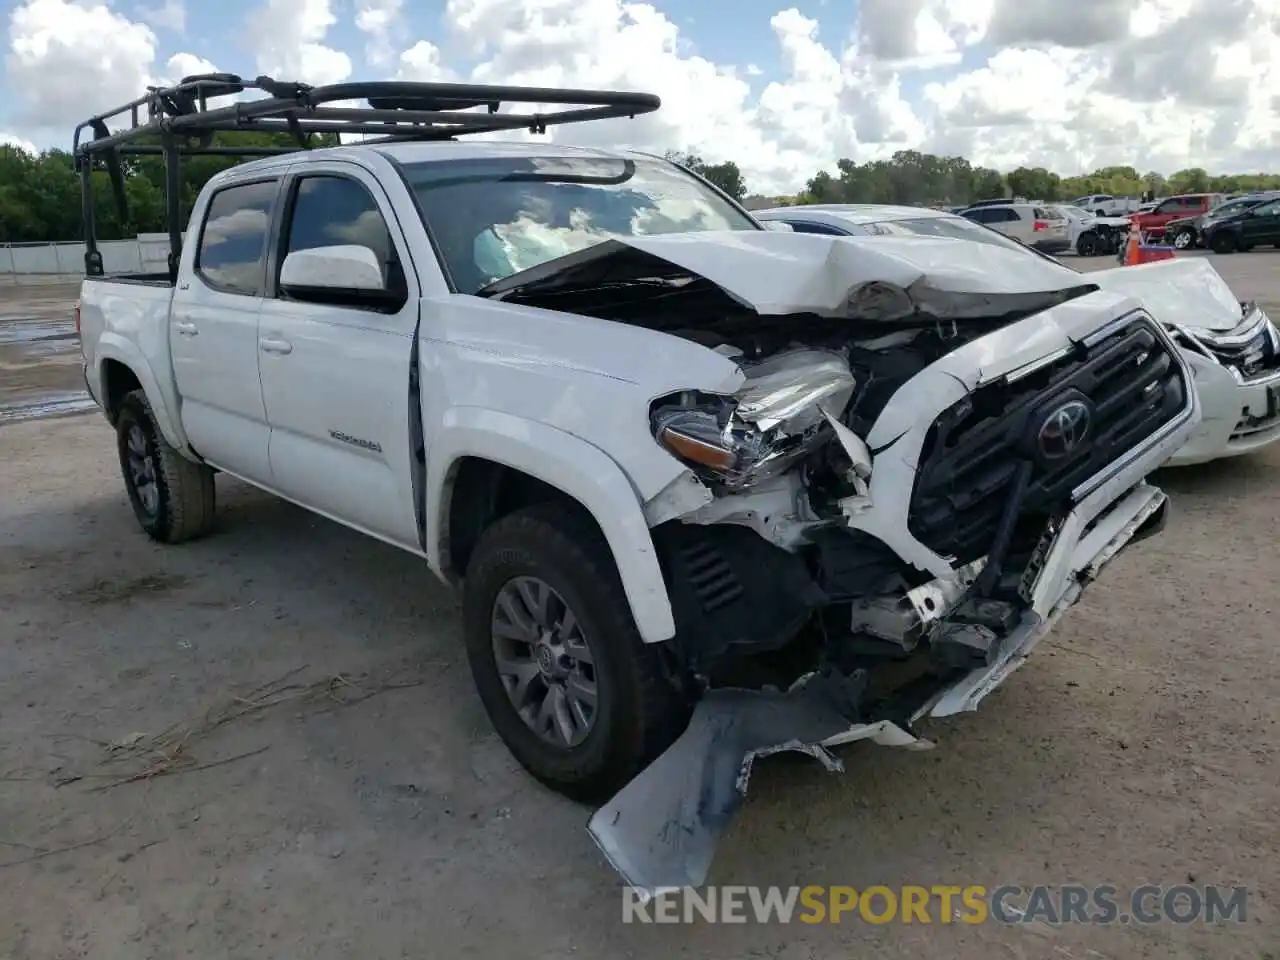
(544, 661)
(142, 471)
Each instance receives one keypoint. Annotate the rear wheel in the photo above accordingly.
(1087, 245)
(172, 497)
(580, 700)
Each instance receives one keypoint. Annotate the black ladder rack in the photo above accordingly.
(179, 120)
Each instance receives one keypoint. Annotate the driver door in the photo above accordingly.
(335, 377)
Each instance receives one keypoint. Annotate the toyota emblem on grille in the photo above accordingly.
(1064, 430)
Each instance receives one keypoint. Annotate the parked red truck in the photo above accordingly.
(1152, 223)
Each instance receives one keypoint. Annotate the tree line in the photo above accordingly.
(911, 177)
(40, 193)
(922, 178)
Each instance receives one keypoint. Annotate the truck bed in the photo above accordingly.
(150, 279)
(126, 317)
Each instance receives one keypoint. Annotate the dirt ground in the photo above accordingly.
(317, 778)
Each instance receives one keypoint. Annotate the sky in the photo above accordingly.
(784, 90)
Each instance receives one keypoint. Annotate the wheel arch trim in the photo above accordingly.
(574, 467)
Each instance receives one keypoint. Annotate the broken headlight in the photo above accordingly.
(768, 426)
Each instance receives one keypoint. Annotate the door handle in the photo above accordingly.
(275, 345)
(186, 328)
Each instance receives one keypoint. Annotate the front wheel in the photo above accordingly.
(1184, 239)
(1087, 245)
(172, 497)
(1223, 243)
(580, 700)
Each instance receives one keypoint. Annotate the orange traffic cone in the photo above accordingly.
(1133, 251)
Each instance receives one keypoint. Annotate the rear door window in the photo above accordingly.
(231, 256)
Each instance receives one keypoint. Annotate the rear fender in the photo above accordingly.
(574, 467)
(164, 403)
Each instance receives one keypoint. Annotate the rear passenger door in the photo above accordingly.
(335, 379)
(1005, 220)
(213, 329)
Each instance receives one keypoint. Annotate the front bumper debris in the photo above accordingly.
(661, 830)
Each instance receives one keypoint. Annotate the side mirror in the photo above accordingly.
(344, 274)
(778, 226)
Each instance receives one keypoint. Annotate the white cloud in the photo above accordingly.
(186, 65)
(917, 34)
(422, 63)
(13, 140)
(1156, 84)
(380, 20)
(1003, 82)
(288, 38)
(169, 15)
(66, 60)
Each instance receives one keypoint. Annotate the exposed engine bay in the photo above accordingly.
(770, 564)
(796, 619)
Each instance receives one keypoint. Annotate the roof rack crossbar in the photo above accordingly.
(428, 111)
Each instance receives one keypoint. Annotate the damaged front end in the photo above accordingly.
(919, 472)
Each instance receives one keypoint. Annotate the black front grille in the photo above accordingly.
(1129, 382)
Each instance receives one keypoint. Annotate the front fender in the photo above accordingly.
(163, 402)
(576, 468)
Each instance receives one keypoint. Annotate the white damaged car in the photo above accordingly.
(709, 491)
(1233, 348)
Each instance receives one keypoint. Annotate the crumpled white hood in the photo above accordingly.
(779, 273)
(1186, 291)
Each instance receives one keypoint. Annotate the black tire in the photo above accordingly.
(641, 708)
(182, 504)
(1183, 239)
(1223, 242)
(1087, 245)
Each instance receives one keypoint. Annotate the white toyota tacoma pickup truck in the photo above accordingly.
(709, 490)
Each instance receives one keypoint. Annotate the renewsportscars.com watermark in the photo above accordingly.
(1008, 904)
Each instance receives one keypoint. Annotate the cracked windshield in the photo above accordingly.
(495, 217)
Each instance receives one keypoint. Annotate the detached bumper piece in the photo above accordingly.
(660, 831)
